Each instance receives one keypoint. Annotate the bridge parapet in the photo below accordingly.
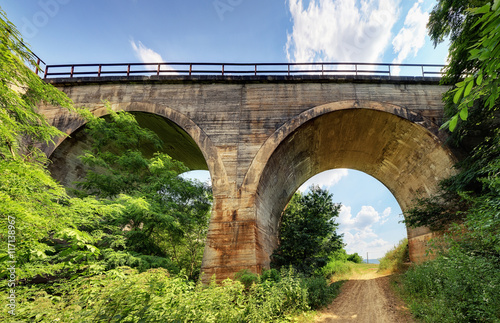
(240, 69)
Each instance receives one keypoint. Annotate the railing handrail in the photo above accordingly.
(193, 68)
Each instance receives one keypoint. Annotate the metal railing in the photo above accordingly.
(40, 66)
(228, 69)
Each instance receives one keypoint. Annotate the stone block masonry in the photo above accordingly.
(261, 137)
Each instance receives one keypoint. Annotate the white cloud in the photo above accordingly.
(385, 215)
(411, 38)
(362, 221)
(366, 217)
(359, 235)
(340, 30)
(360, 243)
(147, 55)
(325, 180)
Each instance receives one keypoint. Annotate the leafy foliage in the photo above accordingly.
(124, 295)
(471, 28)
(20, 90)
(461, 287)
(162, 215)
(308, 232)
(462, 284)
(481, 83)
(131, 210)
(47, 237)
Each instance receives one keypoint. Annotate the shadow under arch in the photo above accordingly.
(382, 140)
(191, 135)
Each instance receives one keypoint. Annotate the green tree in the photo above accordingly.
(473, 53)
(308, 236)
(33, 207)
(481, 82)
(135, 210)
(21, 127)
(471, 105)
(163, 214)
(461, 285)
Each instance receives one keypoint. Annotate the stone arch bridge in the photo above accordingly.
(261, 137)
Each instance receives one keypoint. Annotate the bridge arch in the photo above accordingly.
(396, 146)
(71, 124)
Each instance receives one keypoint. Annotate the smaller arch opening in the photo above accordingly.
(177, 143)
(202, 176)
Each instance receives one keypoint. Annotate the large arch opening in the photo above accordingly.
(369, 218)
(177, 143)
(403, 155)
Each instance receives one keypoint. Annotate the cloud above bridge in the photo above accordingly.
(340, 30)
(354, 31)
(147, 55)
(411, 38)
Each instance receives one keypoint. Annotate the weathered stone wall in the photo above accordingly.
(263, 137)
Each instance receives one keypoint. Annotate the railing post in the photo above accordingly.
(128, 70)
(158, 69)
(46, 71)
(356, 69)
(37, 64)
(99, 71)
(288, 69)
(255, 69)
(222, 69)
(72, 71)
(389, 69)
(190, 69)
(423, 73)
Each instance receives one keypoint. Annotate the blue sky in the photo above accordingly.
(123, 31)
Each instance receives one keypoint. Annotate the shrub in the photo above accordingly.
(320, 293)
(271, 274)
(246, 277)
(355, 258)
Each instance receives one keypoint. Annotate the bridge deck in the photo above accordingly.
(238, 79)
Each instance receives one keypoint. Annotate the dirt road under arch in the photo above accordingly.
(366, 297)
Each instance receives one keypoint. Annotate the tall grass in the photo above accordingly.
(337, 268)
(395, 259)
(459, 287)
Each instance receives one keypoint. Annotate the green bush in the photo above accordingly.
(355, 258)
(320, 293)
(336, 267)
(247, 278)
(271, 274)
(460, 287)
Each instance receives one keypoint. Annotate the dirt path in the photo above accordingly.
(366, 297)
